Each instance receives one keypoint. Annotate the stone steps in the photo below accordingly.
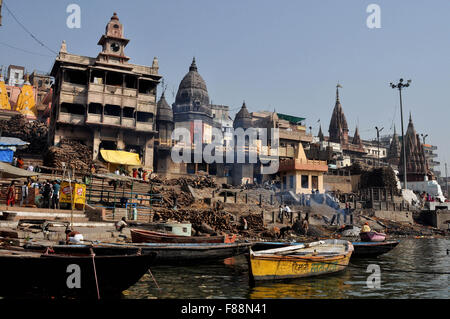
(17, 215)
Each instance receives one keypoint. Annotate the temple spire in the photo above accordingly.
(337, 91)
(193, 66)
(320, 134)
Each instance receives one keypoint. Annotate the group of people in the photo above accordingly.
(19, 163)
(136, 173)
(140, 173)
(49, 190)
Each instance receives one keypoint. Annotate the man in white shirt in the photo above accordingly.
(287, 210)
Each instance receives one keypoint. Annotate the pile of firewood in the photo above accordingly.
(72, 153)
(170, 195)
(197, 182)
(255, 222)
(34, 132)
(217, 220)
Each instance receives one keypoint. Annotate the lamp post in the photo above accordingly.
(424, 137)
(446, 180)
(400, 85)
(378, 138)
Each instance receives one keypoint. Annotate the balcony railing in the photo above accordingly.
(304, 165)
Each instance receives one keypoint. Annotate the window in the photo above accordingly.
(305, 181)
(291, 181)
(315, 182)
(284, 182)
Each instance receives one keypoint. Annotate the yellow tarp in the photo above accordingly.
(4, 100)
(121, 157)
(25, 103)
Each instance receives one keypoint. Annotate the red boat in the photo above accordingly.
(372, 236)
(148, 236)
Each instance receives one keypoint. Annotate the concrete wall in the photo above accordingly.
(341, 183)
(437, 218)
(401, 217)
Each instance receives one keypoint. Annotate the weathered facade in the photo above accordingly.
(416, 164)
(105, 102)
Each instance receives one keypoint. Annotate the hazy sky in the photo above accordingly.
(283, 55)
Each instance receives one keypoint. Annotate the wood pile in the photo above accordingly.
(72, 153)
(183, 199)
(197, 182)
(220, 221)
(34, 132)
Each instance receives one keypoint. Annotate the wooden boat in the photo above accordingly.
(27, 272)
(373, 249)
(148, 236)
(302, 260)
(166, 254)
(185, 253)
(361, 249)
(372, 236)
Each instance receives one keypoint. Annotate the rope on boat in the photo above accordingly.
(95, 273)
(149, 270)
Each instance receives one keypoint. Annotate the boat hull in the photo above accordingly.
(166, 254)
(372, 236)
(372, 249)
(288, 267)
(48, 275)
(146, 236)
(176, 254)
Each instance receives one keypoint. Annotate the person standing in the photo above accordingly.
(280, 213)
(47, 194)
(55, 197)
(20, 162)
(11, 195)
(24, 193)
(144, 175)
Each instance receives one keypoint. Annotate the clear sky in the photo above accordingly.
(282, 55)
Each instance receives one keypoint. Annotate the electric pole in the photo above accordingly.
(378, 138)
(400, 85)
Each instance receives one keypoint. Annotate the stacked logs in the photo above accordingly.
(169, 196)
(34, 132)
(197, 182)
(220, 221)
(72, 153)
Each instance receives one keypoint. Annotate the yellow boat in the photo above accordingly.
(296, 261)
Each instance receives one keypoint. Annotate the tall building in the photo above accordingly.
(430, 157)
(338, 132)
(416, 165)
(105, 102)
(163, 144)
(394, 152)
(338, 128)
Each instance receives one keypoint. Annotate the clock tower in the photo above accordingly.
(113, 43)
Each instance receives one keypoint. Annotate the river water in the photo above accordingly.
(229, 278)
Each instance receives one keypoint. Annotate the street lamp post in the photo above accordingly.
(378, 138)
(424, 137)
(446, 180)
(400, 85)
